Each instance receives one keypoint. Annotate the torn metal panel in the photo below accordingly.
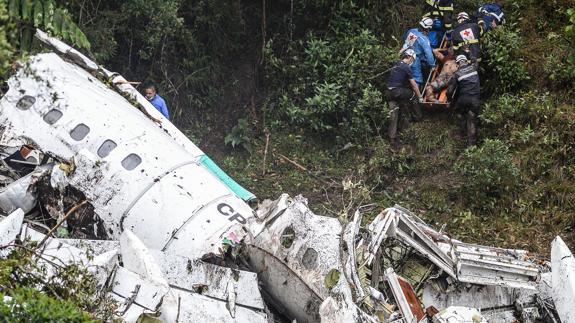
(340, 307)
(93, 247)
(354, 261)
(495, 266)
(293, 254)
(459, 314)
(21, 193)
(200, 308)
(210, 280)
(414, 234)
(477, 296)
(465, 262)
(563, 280)
(405, 297)
(382, 227)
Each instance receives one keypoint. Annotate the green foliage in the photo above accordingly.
(7, 34)
(149, 23)
(488, 172)
(44, 14)
(560, 64)
(505, 65)
(570, 29)
(30, 305)
(516, 111)
(66, 295)
(241, 135)
(330, 84)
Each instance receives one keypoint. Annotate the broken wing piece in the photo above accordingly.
(563, 280)
(465, 262)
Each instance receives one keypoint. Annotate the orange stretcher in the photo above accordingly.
(442, 97)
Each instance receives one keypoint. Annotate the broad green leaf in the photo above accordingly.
(14, 8)
(48, 15)
(27, 10)
(38, 13)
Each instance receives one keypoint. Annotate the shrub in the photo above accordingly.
(241, 135)
(560, 64)
(29, 305)
(330, 85)
(517, 111)
(7, 33)
(487, 171)
(505, 65)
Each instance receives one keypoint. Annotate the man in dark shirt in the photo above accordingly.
(466, 82)
(400, 89)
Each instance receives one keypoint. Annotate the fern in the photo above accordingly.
(43, 14)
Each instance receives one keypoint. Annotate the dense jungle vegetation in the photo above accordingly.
(287, 96)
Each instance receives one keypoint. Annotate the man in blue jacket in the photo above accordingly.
(417, 40)
(156, 100)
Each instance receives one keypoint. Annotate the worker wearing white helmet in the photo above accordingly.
(466, 36)
(417, 40)
(466, 86)
(400, 89)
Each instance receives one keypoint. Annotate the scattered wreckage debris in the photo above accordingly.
(143, 282)
(156, 222)
(378, 267)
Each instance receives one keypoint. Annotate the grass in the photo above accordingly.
(420, 177)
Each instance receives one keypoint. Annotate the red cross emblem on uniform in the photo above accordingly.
(466, 33)
(412, 37)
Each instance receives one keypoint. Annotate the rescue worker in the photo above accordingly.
(466, 36)
(490, 16)
(400, 89)
(417, 40)
(441, 9)
(465, 85)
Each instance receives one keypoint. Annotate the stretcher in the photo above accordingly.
(442, 100)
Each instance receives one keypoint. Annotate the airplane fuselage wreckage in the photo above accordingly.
(168, 234)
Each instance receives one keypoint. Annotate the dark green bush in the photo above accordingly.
(505, 65)
(517, 111)
(240, 136)
(487, 171)
(7, 33)
(29, 305)
(330, 84)
(560, 64)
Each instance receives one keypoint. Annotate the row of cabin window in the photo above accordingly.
(80, 132)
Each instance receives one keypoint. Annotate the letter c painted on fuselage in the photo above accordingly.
(228, 211)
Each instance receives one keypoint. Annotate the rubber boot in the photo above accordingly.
(393, 120)
(471, 128)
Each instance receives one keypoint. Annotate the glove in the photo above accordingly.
(421, 99)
